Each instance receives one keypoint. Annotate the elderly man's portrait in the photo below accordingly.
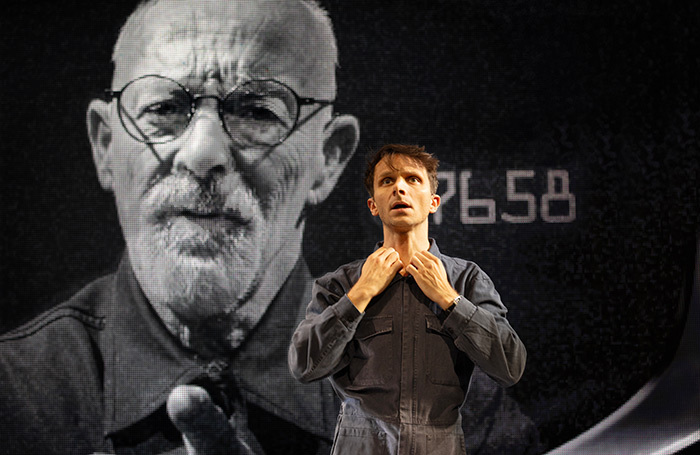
(178, 173)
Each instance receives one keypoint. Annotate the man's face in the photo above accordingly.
(402, 195)
(213, 228)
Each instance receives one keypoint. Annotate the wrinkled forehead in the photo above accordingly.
(230, 41)
(398, 163)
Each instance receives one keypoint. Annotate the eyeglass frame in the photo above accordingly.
(194, 98)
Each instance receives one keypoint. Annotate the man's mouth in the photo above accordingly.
(400, 205)
(214, 220)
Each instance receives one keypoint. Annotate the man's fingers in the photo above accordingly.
(204, 427)
(427, 262)
(416, 262)
(382, 251)
(386, 257)
(389, 254)
(394, 259)
(428, 256)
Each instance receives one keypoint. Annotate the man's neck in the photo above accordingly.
(407, 243)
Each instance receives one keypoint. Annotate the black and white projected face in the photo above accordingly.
(567, 136)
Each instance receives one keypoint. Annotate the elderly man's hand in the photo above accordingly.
(204, 426)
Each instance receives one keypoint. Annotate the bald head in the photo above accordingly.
(291, 40)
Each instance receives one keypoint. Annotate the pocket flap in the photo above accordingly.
(370, 327)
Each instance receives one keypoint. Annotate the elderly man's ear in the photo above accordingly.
(100, 135)
(342, 137)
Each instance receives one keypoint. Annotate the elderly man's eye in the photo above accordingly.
(258, 113)
(258, 108)
(163, 109)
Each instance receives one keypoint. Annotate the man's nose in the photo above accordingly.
(400, 186)
(205, 147)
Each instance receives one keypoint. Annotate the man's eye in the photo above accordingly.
(164, 109)
(258, 113)
(259, 109)
(414, 179)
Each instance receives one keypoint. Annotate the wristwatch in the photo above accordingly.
(453, 304)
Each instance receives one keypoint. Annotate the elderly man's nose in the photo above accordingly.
(205, 148)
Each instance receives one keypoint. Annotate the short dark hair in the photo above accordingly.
(414, 152)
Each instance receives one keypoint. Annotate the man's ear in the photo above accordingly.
(341, 138)
(100, 135)
(372, 207)
(435, 203)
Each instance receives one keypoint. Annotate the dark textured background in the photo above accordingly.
(607, 92)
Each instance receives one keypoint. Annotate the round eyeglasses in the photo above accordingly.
(155, 109)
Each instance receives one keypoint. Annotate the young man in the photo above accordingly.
(399, 333)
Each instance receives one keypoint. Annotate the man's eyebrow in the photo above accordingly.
(386, 174)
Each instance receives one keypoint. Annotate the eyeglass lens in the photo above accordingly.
(156, 109)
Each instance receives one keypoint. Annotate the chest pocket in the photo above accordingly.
(373, 353)
(442, 358)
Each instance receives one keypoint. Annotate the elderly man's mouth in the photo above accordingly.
(211, 221)
(215, 222)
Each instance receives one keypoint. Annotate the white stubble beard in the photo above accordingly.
(188, 289)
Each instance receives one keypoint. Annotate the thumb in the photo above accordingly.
(204, 426)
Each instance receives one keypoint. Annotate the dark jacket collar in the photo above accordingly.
(143, 362)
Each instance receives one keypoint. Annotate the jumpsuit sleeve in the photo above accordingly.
(480, 329)
(319, 344)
